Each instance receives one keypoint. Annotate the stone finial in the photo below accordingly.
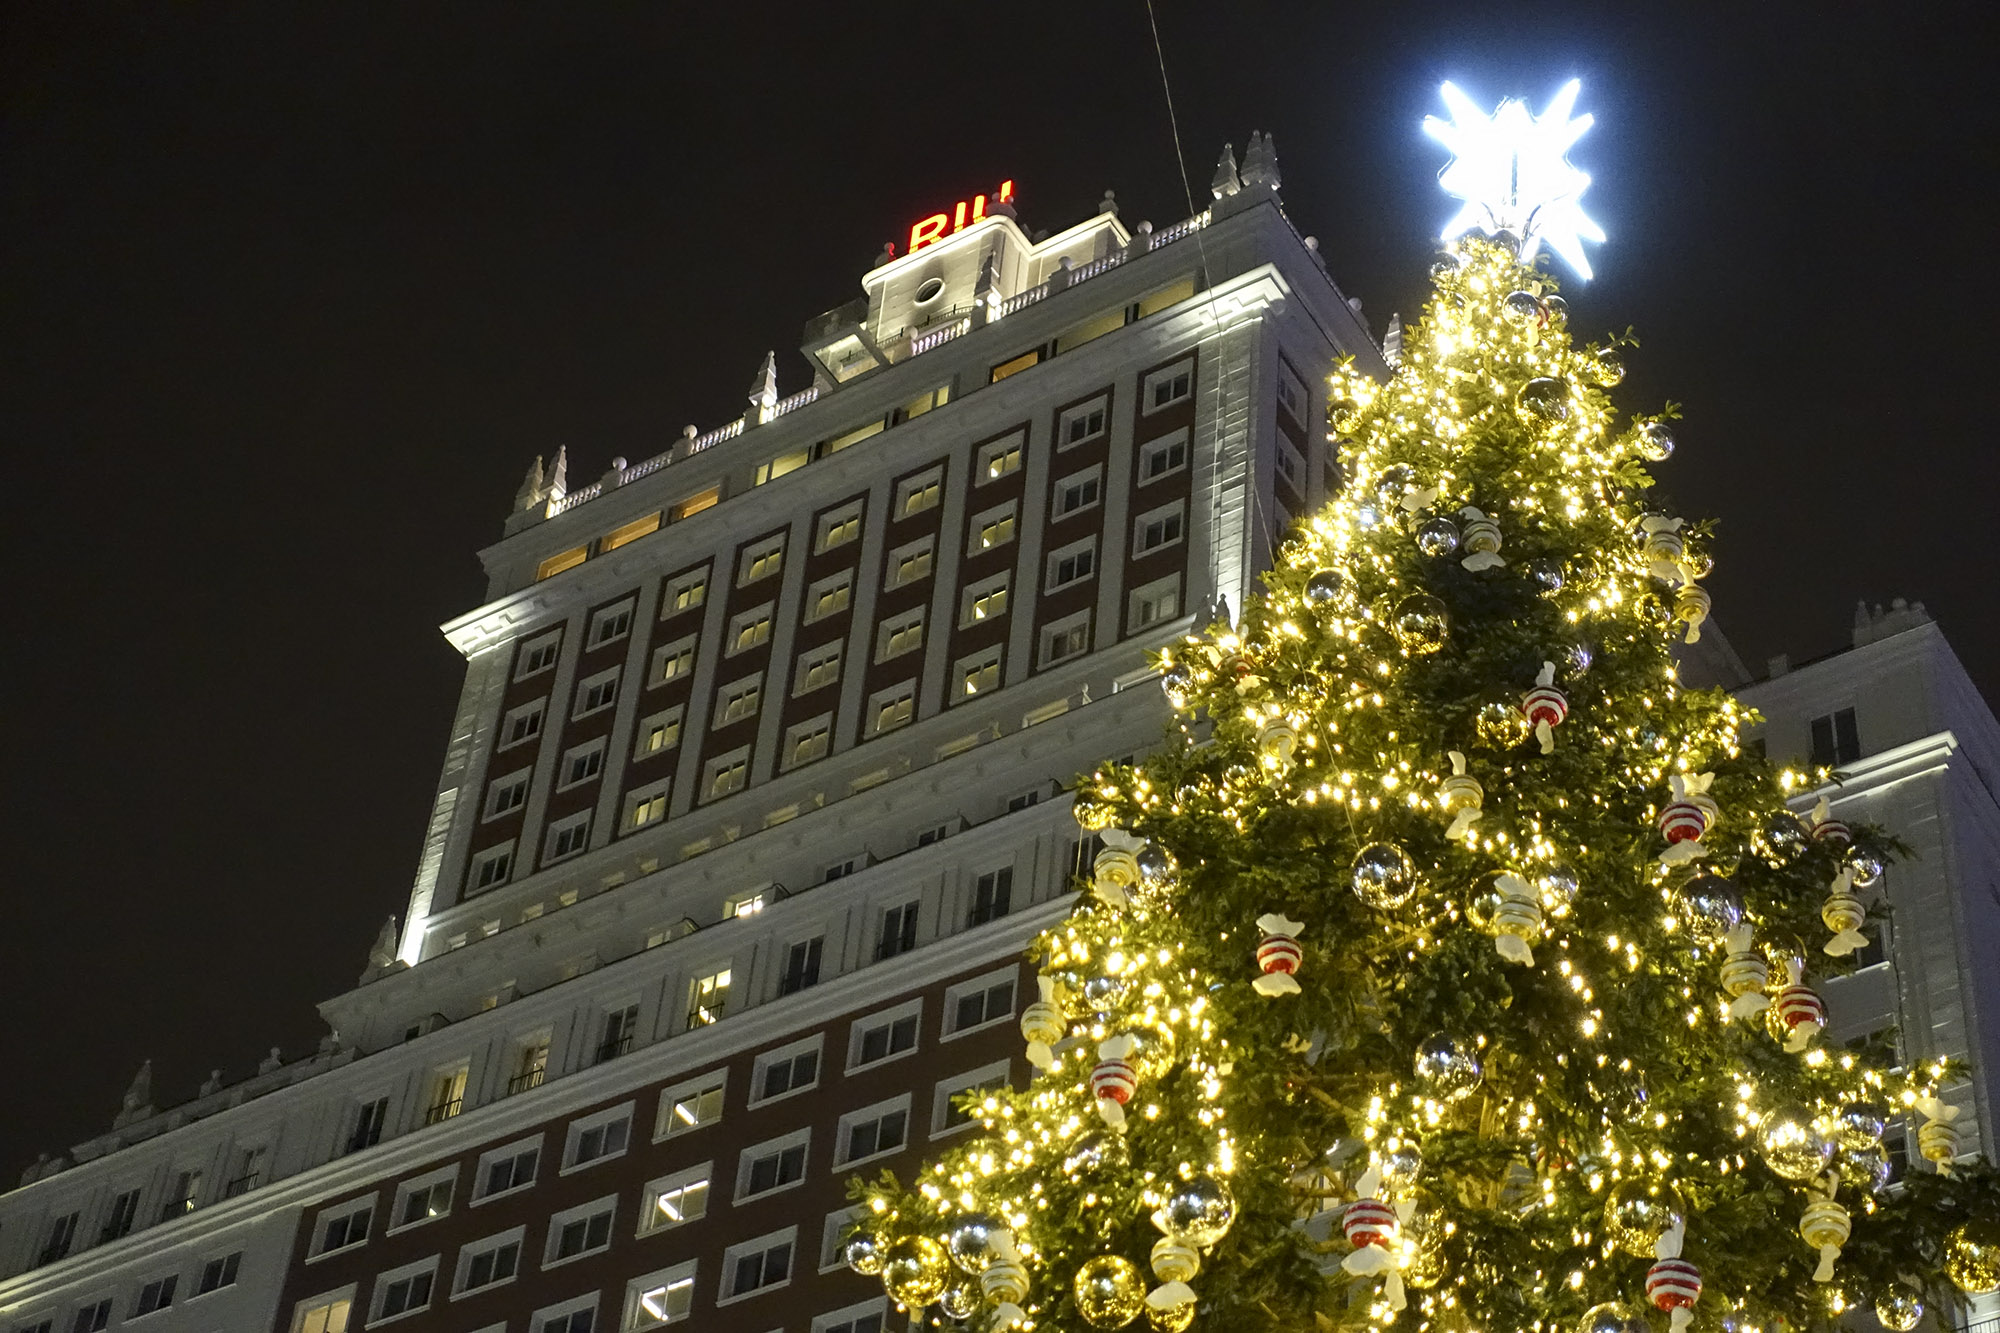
(1872, 624)
(1109, 203)
(1260, 161)
(1226, 181)
(530, 493)
(271, 1063)
(212, 1084)
(764, 391)
(888, 253)
(382, 953)
(140, 1094)
(1392, 342)
(558, 477)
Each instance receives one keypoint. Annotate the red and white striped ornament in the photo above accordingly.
(1686, 817)
(1278, 955)
(1800, 1009)
(1369, 1222)
(1674, 1285)
(1745, 975)
(1114, 1079)
(1826, 829)
(1371, 1226)
(1683, 821)
(1546, 707)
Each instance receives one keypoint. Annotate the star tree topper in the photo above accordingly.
(1512, 171)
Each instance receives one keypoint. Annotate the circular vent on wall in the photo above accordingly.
(930, 290)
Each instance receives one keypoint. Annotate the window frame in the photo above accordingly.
(984, 985)
(945, 1089)
(762, 617)
(685, 592)
(658, 792)
(820, 589)
(526, 664)
(558, 831)
(1006, 514)
(972, 594)
(228, 1267)
(776, 1148)
(837, 527)
(1176, 511)
(874, 1113)
(1091, 476)
(1013, 446)
(880, 703)
(517, 781)
(1146, 593)
(1069, 551)
(598, 637)
(320, 1302)
(501, 853)
(892, 629)
(685, 1273)
(919, 554)
(578, 1128)
(691, 1090)
(474, 1250)
(992, 658)
(323, 1221)
(510, 721)
(672, 661)
(1175, 442)
(674, 1182)
(427, 1184)
(583, 753)
(760, 560)
(671, 722)
(918, 493)
(1167, 375)
(712, 772)
(510, 1153)
(815, 1046)
(1061, 628)
(605, 1206)
(761, 1247)
(378, 1291)
(1099, 406)
(733, 695)
(595, 682)
(858, 1029)
(798, 733)
(814, 659)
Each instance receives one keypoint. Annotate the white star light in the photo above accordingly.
(1511, 170)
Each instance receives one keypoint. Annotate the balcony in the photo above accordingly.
(444, 1109)
(526, 1079)
(612, 1047)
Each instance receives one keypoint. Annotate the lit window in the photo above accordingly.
(686, 592)
(673, 661)
(748, 904)
(762, 560)
(908, 564)
(1172, 294)
(893, 707)
(665, 1297)
(315, 1315)
(829, 596)
(992, 529)
(556, 564)
(900, 634)
(727, 774)
(631, 532)
(738, 700)
(984, 600)
(782, 465)
(808, 741)
(672, 1200)
(839, 527)
(690, 1106)
(708, 998)
(818, 668)
(999, 459)
(916, 494)
(695, 503)
(980, 673)
(647, 805)
(750, 629)
(923, 403)
(1015, 366)
(658, 733)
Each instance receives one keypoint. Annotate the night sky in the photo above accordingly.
(292, 294)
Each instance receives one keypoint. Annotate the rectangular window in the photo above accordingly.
(761, 561)
(538, 655)
(582, 764)
(506, 1169)
(1083, 422)
(402, 1295)
(773, 1165)
(991, 530)
(979, 674)
(627, 533)
(1835, 739)
(658, 733)
(881, 1036)
(581, 1320)
(992, 895)
(447, 1094)
(916, 494)
(830, 596)
(737, 701)
(686, 592)
(1015, 365)
(531, 1064)
(781, 466)
(183, 1196)
(1090, 330)
(508, 794)
(690, 1106)
(1155, 602)
(984, 600)
(96, 1316)
(726, 774)
(998, 459)
(899, 634)
(874, 1131)
(892, 708)
(489, 1262)
(424, 1201)
(344, 1227)
(838, 527)
(974, 1004)
(898, 931)
(808, 741)
(818, 668)
(1291, 467)
(792, 1069)
(317, 1314)
(600, 1137)
(750, 629)
(708, 998)
(910, 564)
(1156, 530)
(1072, 564)
(672, 1200)
(597, 693)
(758, 1265)
(561, 561)
(661, 1298)
(155, 1295)
(219, 1273)
(948, 1111)
(694, 504)
(1076, 492)
(610, 625)
(617, 1033)
(646, 805)
(922, 403)
(1162, 457)
(490, 866)
(672, 661)
(118, 1221)
(1291, 394)
(864, 1318)
(1066, 638)
(567, 837)
(1166, 387)
(522, 724)
(801, 965)
(580, 1231)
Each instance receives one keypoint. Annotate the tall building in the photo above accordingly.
(752, 799)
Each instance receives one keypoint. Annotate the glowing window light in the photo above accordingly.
(1512, 170)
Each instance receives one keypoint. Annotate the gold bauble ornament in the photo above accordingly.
(1171, 1318)
(1109, 1291)
(1792, 1144)
(1423, 1238)
(914, 1270)
(1899, 1308)
(1972, 1257)
(1638, 1212)
(1501, 726)
(1091, 814)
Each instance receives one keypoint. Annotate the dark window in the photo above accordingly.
(601, 1140)
(878, 1135)
(899, 931)
(368, 1125)
(494, 1265)
(349, 1228)
(778, 1168)
(956, 1112)
(407, 1293)
(887, 1039)
(93, 1318)
(981, 1006)
(620, 1027)
(1024, 800)
(584, 1234)
(424, 1202)
(155, 1295)
(576, 1321)
(801, 966)
(62, 1235)
(218, 1273)
(1834, 739)
(991, 896)
(789, 1073)
(1167, 390)
(124, 1210)
(763, 1269)
(510, 1172)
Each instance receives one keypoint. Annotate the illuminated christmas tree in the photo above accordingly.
(1451, 964)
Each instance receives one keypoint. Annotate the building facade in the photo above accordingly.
(752, 799)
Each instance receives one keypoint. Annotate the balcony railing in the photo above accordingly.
(243, 1184)
(612, 1047)
(444, 1109)
(526, 1079)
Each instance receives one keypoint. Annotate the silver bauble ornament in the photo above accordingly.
(1709, 906)
(1093, 1151)
(863, 1253)
(1579, 656)
(1543, 402)
(1653, 442)
(1437, 538)
(1384, 876)
(959, 1301)
(1444, 268)
(1867, 865)
(1785, 837)
(1792, 1144)
(1870, 1168)
(1546, 575)
(1558, 883)
(1156, 866)
(1447, 1067)
(1859, 1126)
(1899, 1308)
(1322, 588)
(970, 1241)
(1397, 480)
(1524, 308)
(1177, 681)
(1400, 1163)
(1557, 308)
(1199, 1210)
(1103, 993)
(1421, 623)
(1611, 1317)
(1343, 414)
(1608, 368)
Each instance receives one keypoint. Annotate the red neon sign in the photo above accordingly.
(963, 214)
